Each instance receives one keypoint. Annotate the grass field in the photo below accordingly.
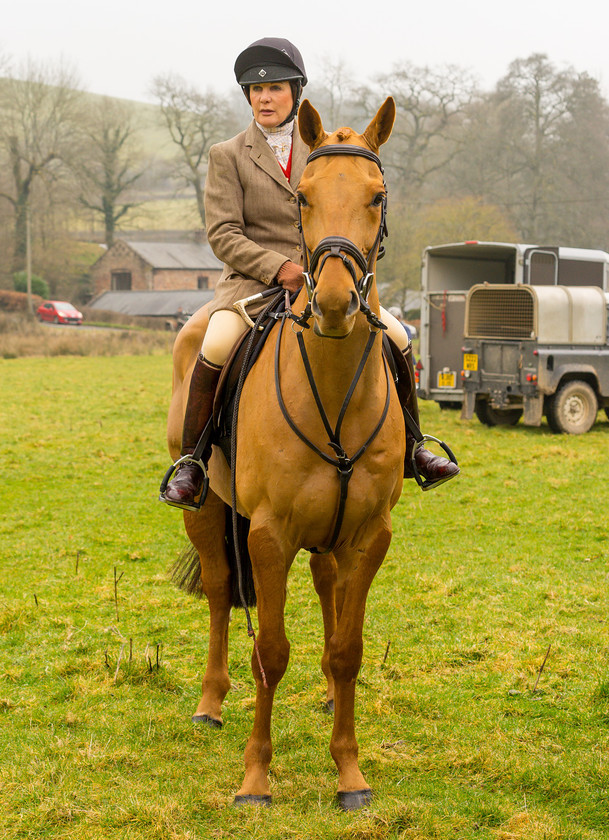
(462, 733)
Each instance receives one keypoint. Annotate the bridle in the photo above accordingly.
(337, 247)
(342, 248)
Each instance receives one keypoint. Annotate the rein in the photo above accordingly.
(342, 462)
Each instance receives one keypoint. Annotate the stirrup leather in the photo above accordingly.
(427, 483)
(172, 471)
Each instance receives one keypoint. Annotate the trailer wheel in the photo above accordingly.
(572, 409)
(496, 416)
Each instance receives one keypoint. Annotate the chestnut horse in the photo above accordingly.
(318, 376)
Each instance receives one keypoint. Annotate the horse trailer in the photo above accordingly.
(450, 271)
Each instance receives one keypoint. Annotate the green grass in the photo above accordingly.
(483, 576)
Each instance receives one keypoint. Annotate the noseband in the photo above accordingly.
(339, 247)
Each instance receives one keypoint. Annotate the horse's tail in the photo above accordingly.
(186, 571)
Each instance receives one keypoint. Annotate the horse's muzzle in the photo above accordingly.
(334, 318)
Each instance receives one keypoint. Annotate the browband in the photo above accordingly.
(340, 149)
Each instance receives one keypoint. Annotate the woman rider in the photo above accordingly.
(252, 226)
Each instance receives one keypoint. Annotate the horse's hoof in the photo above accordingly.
(328, 707)
(210, 721)
(352, 800)
(263, 800)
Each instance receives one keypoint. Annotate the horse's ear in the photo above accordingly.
(310, 126)
(379, 129)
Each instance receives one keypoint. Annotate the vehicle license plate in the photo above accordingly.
(447, 379)
(470, 361)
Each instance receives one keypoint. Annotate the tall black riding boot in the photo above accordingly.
(186, 485)
(432, 467)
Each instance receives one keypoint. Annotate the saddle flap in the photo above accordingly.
(228, 378)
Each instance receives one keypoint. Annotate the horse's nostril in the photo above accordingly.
(315, 306)
(354, 305)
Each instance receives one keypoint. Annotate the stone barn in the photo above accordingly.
(155, 266)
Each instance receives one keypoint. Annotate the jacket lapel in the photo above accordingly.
(262, 155)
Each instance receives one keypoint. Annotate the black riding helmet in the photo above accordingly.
(272, 60)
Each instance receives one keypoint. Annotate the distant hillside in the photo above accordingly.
(154, 139)
(163, 203)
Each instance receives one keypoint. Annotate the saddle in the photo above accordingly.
(250, 344)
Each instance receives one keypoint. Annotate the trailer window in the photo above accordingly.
(580, 273)
(543, 268)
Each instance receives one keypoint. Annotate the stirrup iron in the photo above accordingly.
(427, 483)
(185, 459)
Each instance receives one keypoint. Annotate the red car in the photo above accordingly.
(59, 312)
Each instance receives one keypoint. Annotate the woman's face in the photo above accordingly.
(271, 102)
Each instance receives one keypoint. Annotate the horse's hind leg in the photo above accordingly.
(205, 529)
(323, 569)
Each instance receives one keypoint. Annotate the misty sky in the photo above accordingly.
(118, 46)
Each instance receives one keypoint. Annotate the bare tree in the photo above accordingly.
(584, 166)
(431, 104)
(195, 121)
(333, 93)
(110, 165)
(39, 118)
(538, 145)
(533, 99)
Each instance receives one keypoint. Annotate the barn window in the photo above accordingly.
(202, 281)
(121, 281)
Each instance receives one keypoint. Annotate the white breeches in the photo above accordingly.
(225, 327)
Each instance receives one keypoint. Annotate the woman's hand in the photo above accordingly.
(290, 276)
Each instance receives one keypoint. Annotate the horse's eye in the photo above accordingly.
(378, 199)
(302, 200)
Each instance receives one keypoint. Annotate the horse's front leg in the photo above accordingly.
(323, 570)
(356, 572)
(270, 565)
(206, 532)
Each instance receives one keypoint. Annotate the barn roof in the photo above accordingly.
(190, 255)
(153, 303)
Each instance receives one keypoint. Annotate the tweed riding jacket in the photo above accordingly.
(252, 213)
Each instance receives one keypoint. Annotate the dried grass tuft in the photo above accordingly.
(21, 336)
